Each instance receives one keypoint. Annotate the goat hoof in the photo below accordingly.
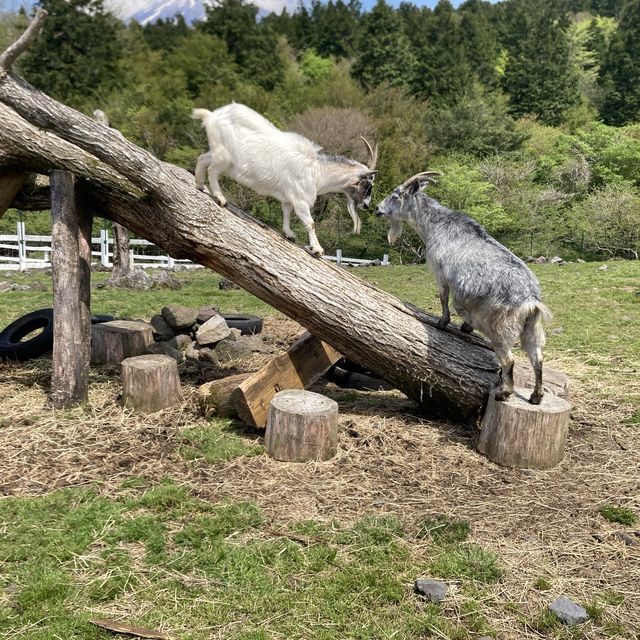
(290, 238)
(466, 328)
(536, 398)
(442, 324)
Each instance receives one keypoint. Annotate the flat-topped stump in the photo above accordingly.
(302, 426)
(150, 383)
(119, 339)
(518, 434)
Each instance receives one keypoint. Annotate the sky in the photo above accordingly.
(273, 5)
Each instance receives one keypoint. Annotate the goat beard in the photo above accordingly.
(395, 231)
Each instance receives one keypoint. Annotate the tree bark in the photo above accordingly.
(302, 426)
(447, 373)
(150, 383)
(71, 320)
(121, 264)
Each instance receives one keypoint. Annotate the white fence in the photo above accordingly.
(22, 252)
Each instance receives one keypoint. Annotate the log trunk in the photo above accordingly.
(302, 426)
(121, 263)
(72, 319)
(119, 339)
(446, 372)
(215, 397)
(150, 383)
(518, 434)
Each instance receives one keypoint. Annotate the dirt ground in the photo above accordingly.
(390, 461)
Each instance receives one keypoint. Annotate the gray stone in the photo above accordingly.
(226, 284)
(161, 329)
(165, 349)
(192, 352)
(137, 279)
(212, 331)
(164, 280)
(540, 260)
(181, 341)
(204, 313)
(5, 286)
(179, 317)
(580, 261)
(227, 350)
(556, 260)
(432, 590)
(207, 354)
(234, 334)
(603, 267)
(568, 611)
(20, 287)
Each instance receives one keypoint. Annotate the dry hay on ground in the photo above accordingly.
(390, 462)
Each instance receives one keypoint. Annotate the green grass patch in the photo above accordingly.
(620, 515)
(542, 584)
(217, 442)
(443, 531)
(468, 561)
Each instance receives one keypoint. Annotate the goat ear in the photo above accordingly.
(368, 175)
(415, 186)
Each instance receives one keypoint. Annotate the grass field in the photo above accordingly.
(183, 524)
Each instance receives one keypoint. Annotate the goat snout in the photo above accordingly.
(379, 211)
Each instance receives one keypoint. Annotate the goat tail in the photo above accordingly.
(200, 114)
(532, 332)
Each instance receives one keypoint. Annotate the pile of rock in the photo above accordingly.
(201, 334)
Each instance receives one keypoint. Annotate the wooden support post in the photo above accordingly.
(302, 426)
(215, 397)
(518, 434)
(305, 361)
(71, 316)
(119, 339)
(150, 383)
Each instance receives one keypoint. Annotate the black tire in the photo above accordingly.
(11, 347)
(98, 319)
(248, 325)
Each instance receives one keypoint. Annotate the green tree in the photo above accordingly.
(620, 72)
(442, 73)
(75, 59)
(480, 40)
(254, 46)
(539, 77)
(383, 53)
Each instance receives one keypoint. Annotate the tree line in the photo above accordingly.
(531, 108)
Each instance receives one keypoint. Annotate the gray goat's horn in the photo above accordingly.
(429, 176)
(373, 154)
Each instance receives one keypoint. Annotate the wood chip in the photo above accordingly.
(139, 632)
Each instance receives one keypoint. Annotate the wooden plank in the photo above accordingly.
(10, 185)
(305, 361)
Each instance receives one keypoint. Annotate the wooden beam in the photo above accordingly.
(304, 362)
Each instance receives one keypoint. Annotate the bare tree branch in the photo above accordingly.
(12, 53)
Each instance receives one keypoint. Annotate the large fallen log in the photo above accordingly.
(446, 372)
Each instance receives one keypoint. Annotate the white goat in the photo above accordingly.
(285, 165)
(492, 289)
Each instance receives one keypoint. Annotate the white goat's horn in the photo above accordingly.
(429, 176)
(373, 154)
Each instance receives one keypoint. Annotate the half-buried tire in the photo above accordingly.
(13, 346)
(248, 325)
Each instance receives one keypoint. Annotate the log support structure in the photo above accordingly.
(447, 373)
(71, 271)
(150, 383)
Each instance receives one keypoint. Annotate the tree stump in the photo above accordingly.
(150, 383)
(119, 339)
(302, 426)
(518, 434)
(553, 381)
(215, 396)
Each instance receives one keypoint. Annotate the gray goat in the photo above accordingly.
(492, 289)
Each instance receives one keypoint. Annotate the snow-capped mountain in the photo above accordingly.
(145, 11)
